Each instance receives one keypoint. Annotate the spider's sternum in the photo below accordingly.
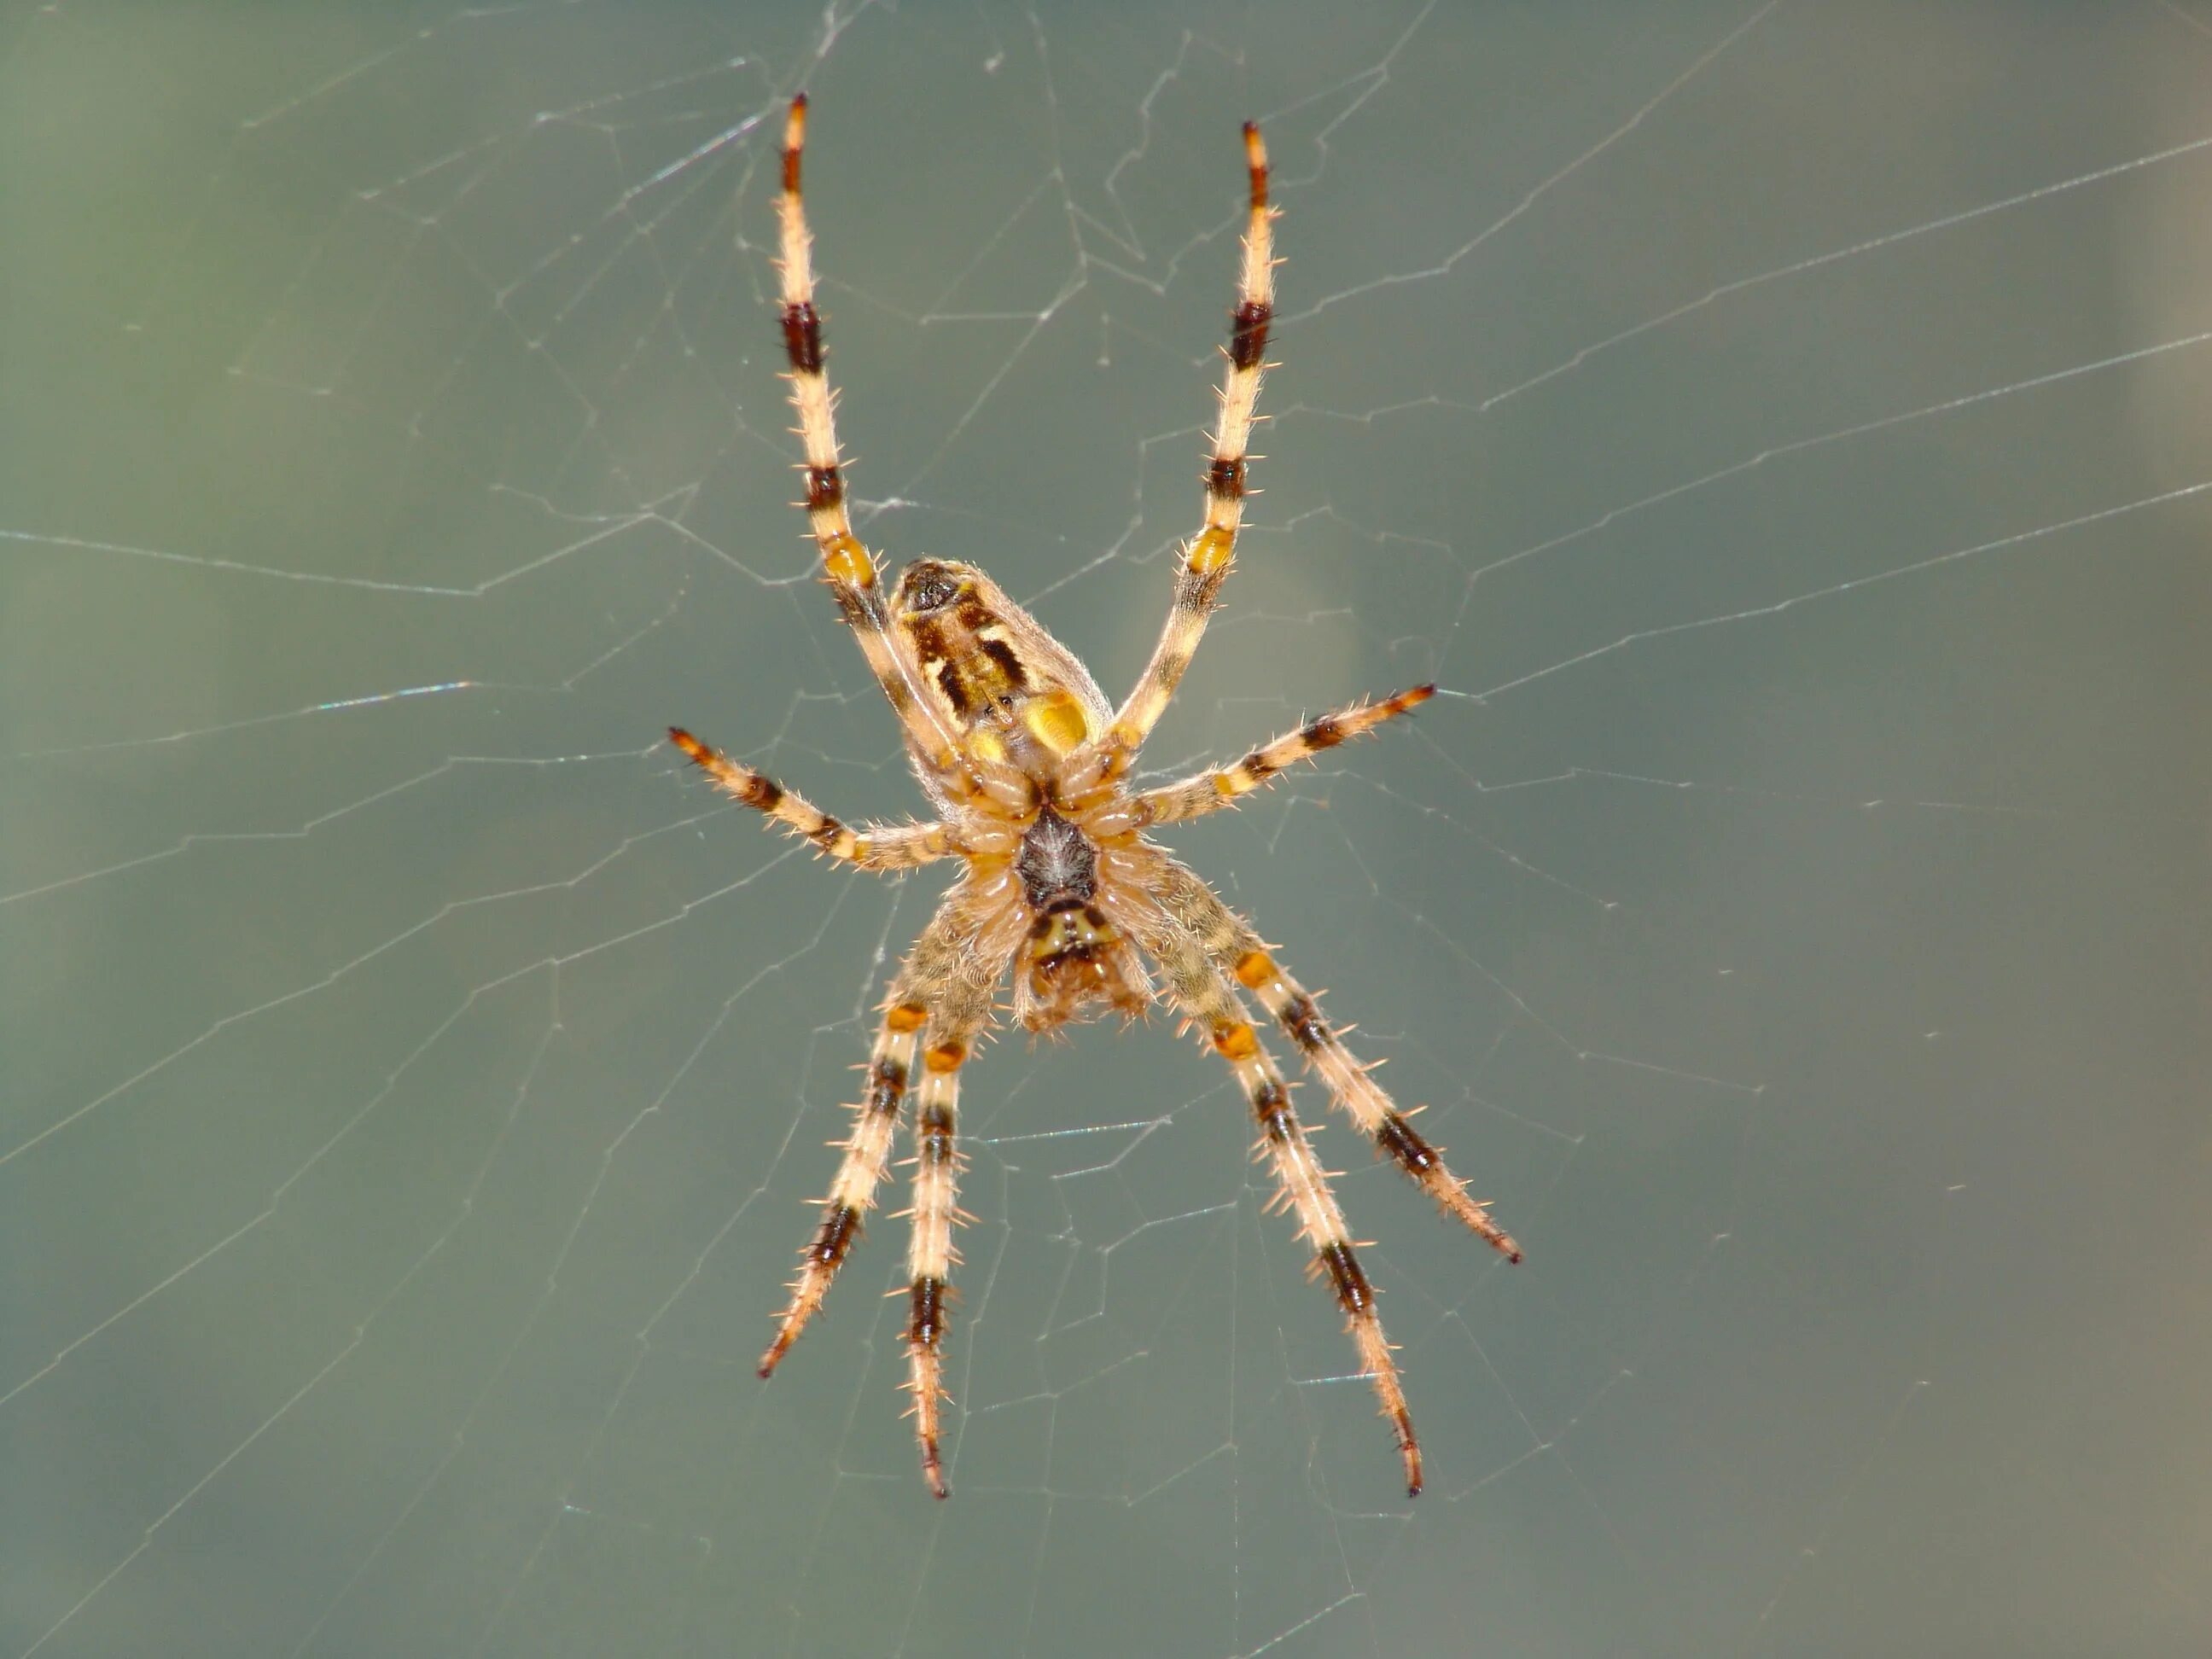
(1058, 864)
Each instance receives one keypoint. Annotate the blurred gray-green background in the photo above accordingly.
(1782, 429)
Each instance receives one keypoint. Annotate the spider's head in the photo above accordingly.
(1015, 695)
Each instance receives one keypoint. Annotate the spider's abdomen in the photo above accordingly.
(1074, 964)
(1014, 695)
(1068, 950)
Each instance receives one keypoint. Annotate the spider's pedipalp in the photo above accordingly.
(880, 846)
(1210, 790)
(1207, 557)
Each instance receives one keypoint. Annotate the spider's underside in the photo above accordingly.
(1027, 765)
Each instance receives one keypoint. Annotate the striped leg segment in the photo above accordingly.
(1211, 1002)
(1207, 559)
(871, 845)
(954, 970)
(1209, 791)
(1352, 1086)
(1303, 1185)
(846, 564)
(947, 976)
(1229, 942)
(930, 1255)
(852, 1194)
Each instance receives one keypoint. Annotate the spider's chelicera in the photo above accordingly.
(1028, 765)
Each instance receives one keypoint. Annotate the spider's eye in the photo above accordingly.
(928, 585)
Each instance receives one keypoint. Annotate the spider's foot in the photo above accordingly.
(926, 1384)
(926, 1373)
(1397, 1137)
(1475, 1214)
(1410, 1449)
(819, 1265)
(1382, 1372)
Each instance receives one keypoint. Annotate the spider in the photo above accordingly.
(1028, 765)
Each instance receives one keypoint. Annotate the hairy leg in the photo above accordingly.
(880, 846)
(1208, 999)
(1232, 945)
(1210, 790)
(1207, 558)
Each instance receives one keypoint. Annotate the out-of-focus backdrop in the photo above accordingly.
(1782, 432)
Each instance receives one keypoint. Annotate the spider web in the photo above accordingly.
(1778, 427)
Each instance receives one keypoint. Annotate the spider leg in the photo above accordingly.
(1207, 557)
(930, 968)
(852, 1193)
(880, 846)
(954, 974)
(930, 1253)
(845, 563)
(1208, 999)
(1234, 948)
(1210, 790)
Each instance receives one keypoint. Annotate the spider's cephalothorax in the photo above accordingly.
(1018, 701)
(1027, 765)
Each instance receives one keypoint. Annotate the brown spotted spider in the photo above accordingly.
(1027, 765)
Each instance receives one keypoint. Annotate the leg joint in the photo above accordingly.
(840, 1227)
(1353, 1293)
(1271, 1104)
(927, 1326)
(886, 1086)
(1398, 1137)
(1248, 334)
(1304, 1022)
(802, 336)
